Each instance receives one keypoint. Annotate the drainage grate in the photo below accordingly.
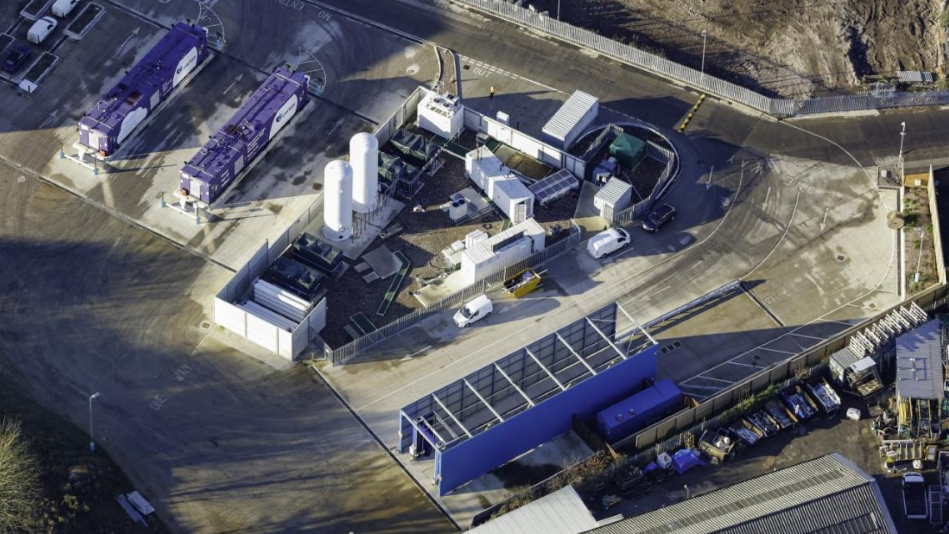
(841, 257)
(205, 325)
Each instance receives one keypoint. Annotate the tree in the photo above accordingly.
(19, 481)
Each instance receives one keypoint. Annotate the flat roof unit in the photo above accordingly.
(573, 116)
(615, 191)
(825, 495)
(919, 372)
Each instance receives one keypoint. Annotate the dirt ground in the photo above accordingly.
(79, 487)
(918, 224)
(791, 48)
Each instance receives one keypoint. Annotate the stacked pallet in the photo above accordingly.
(281, 301)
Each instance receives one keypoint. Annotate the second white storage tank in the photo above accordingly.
(338, 200)
(364, 159)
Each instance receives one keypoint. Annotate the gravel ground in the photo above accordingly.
(782, 47)
(424, 236)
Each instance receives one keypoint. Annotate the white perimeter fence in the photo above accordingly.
(778, 107)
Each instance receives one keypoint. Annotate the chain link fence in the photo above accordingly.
(346, 353)
(778, 107)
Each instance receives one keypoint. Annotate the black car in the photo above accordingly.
(16, 57)
(659, 217)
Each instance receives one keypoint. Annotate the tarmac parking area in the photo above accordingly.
(365, 72)
(216, 440)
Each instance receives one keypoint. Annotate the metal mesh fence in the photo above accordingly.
(779, 107)
(347, 352)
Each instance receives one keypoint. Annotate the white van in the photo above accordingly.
(41, 30)
(62, 8)
(606, 242)
(474, 311)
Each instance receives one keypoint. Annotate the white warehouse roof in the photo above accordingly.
(570, 114)
(561, 512)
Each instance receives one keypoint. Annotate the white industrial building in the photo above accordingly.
(441, 114)
(500, 184)
(484, 256)
(615, 196)
(573, 117)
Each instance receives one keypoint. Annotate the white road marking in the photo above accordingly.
(729, 382)
(778, 351)
(416, 353)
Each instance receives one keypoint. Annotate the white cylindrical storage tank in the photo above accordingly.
(364, 158)
(338, 200)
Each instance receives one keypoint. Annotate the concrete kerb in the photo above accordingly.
(114, 213)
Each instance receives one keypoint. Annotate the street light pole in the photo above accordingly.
(704, 39)
(902, 137)
(558, 9)
(92, 441)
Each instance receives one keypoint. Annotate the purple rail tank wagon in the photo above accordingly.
(149, 83)
(217, 165)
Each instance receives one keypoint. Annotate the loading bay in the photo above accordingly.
(104, 291)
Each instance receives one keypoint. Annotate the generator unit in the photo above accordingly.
(234, 147)
(149, 83)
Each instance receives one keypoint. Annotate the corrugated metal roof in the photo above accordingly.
(613, 191)
(561, 512)
(828, 494)
(569, 114)
(844, 357)
(919, 362)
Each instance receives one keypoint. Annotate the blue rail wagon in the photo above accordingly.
(149, 83)
(207, 175)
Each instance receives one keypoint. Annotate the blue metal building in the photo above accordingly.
(527, 398)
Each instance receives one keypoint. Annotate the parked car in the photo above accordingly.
(659, 217)
(41, 30)
(474, 311)
(607, 242)
(16, 57)
(62, 8)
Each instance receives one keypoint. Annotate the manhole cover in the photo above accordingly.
(872, 305)
(412, 70)
(841, 257)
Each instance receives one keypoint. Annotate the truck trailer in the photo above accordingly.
(149, 83)
(207, 175)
